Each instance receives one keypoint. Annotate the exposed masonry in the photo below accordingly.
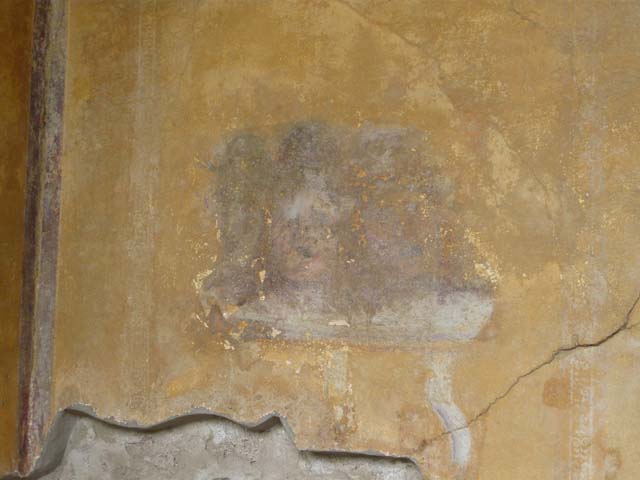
(201, 447)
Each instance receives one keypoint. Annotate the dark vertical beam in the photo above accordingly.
(42, 213)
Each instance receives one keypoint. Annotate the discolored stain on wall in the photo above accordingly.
(557, 392)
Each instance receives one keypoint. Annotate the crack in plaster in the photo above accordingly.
(58, 437)
(266, 421)
(420, 47)
(625, 325)
(524, 17)
(379, 25)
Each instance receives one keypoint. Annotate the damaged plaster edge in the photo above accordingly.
(41, 225)
(560, 352)
(57, 438)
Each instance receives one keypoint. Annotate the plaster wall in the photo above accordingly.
(404, 228)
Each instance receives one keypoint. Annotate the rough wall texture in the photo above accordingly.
(403, 227)
(210, 449)
(15, 51)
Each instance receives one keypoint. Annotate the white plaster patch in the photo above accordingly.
(339, 323)
(453, 420)
(197, 282)
(440, 394)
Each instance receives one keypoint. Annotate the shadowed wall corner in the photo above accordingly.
(16, 18)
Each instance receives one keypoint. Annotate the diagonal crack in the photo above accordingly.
(625, 325)
(524, 17)
(379, 25)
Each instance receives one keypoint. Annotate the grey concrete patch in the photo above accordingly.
(210, 449)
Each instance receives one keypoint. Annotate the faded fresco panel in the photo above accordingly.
(340, 233)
